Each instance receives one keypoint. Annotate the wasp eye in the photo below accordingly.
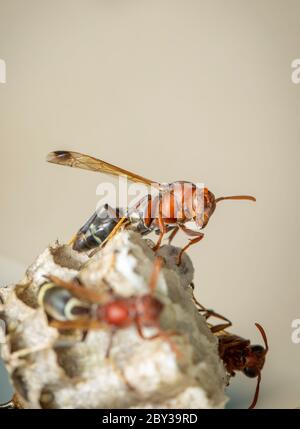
(258, 349)
(251, 372)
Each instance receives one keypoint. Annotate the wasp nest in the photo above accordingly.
(52, 368)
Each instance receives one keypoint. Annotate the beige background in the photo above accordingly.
(195, 90)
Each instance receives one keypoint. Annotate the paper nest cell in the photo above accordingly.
(54, 369)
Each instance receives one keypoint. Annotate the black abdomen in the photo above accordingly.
(96, 230)
(60, 304)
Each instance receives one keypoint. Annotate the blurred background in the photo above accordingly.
(196, 90)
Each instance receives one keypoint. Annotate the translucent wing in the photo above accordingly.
(79, 292)
(86, 162)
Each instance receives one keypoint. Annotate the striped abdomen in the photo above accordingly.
(60, 304)
(97, 229)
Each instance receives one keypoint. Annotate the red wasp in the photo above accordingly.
(168, 210)
(71, 306)
(237, 353)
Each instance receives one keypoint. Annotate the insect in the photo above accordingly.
(207, 313)
(71, 306)
(237, 353)
(97, 229)
(167, 210)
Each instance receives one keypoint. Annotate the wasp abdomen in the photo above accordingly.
(60, 304)
(97, 229)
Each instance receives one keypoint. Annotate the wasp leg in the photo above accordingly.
(220, 326)
(73, 239)
(76, 324)
(207, 313)
(160, 334)
(121, 222)
(173, 234)
(198, 236)
(117, 370)
(115, 230)
(120, 374)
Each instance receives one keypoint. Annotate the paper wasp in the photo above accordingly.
(237, 353)
(71, 306)
(167, 211)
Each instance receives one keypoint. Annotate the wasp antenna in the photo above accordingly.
(255, 398)
(236, 197)
(264, 335)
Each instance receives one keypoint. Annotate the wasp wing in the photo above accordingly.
(87, 162)
(78, 291)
